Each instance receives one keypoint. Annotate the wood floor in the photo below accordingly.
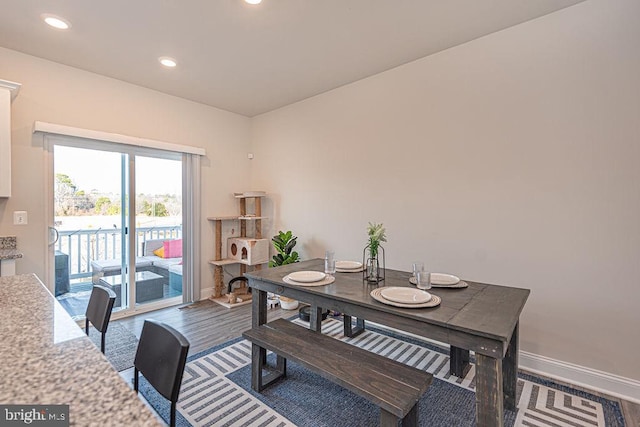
(206, 324)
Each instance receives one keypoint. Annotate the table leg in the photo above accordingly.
(489, 394)
(258, 307)
(315, 318)
(349, 330)
(258, 354)
(459, 362)
(510, 371)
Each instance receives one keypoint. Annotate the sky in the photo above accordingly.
(100, 170)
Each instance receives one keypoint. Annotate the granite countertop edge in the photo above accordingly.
(10, 254)
(47, 359)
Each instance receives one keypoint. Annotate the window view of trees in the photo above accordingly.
(71, 201)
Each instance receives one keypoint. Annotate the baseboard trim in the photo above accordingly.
(205, 293)
(603, 382)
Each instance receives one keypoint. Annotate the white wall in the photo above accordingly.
(513, 159)
(59, 94)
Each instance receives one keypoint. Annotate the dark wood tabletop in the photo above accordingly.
(483, 310)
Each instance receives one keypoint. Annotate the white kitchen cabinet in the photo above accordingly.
(7, 267)
(8, 92)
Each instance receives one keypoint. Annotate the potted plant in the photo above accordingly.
(376, 233)
(284, 242)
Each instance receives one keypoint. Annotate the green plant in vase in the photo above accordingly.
(376, 233)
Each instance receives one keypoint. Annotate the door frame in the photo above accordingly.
(49, 142)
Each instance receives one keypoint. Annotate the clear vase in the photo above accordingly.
(372, 270)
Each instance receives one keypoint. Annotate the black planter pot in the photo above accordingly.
(305, 313)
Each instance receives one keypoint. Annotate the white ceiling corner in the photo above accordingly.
(253, 59)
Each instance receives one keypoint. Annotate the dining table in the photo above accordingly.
(480, 318)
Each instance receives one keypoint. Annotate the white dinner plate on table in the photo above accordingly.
(434, 301)
(326, 281)
(307, 276)
(444, 279)
(405, 295)
(348, 265)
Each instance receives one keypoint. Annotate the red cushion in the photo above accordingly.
(173, 248)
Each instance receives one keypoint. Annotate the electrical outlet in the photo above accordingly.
(20, 218)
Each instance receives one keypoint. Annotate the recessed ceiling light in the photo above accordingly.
(56, 21)
(253, 1)
(167, 62)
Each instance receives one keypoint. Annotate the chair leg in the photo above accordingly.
(135, 379)
(86, 326)
(102, 342)
(173, 414)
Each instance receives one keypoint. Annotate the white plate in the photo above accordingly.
(326, 281)
(405, 295)
(306, 276)
(434, 301)
(460, 284)
(444, 279)
(348, 265)
(357, 270)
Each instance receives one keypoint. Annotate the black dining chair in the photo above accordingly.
(99, 311)
(161, 357)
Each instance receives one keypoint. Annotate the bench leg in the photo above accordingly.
(387, 419)
(411, 419)
(349, 330)
(458, 362)
(258, 364)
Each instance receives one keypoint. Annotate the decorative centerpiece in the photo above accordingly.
(374, 270)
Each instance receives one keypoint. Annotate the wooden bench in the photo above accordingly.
(391, 385)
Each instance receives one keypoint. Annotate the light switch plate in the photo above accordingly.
(20, 218)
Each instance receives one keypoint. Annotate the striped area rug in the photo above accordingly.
(216, 391)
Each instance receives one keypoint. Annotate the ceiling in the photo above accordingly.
(250, 59)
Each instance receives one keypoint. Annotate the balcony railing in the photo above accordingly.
(84, 246)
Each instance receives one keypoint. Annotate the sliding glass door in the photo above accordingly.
(158, 223)
(118, 217)
(90, 217)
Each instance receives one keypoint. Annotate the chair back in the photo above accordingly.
(161, 357)
(100, 306)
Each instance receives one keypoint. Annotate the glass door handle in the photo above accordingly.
(53, 233)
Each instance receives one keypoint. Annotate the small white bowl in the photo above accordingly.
(288, 305)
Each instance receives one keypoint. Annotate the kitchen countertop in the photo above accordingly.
(47, 359)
